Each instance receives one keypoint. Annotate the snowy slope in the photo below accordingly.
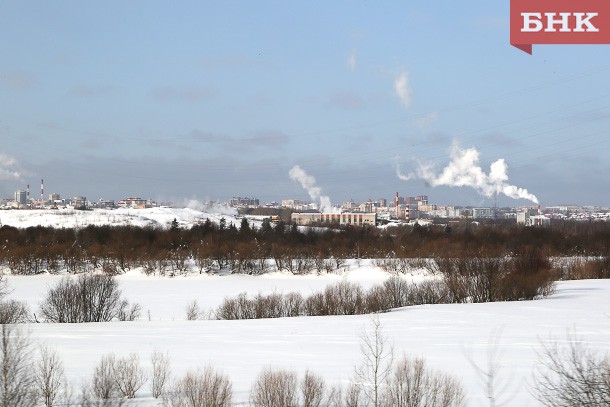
(157, 217)
(443, 334)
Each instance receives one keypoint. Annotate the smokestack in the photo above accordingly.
(539, 216)
(28, 193)
(407, 214)
(42, 192)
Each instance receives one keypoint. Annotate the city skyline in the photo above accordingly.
(208, 101)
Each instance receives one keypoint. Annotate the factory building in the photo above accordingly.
(351, 218)
(532, 217)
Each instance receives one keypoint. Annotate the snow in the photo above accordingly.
(445, 335)
(153, 217)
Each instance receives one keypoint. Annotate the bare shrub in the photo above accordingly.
(14, 312)
(343, 298)
(128, 312)
(89, 399)
(129, 375)
(412, 384)
(160, 372)
(49, 377)
(16, 379)
(572, 375)
(312, 390)
(192, 311)
(274, 388)
(353, 396)
(206, 387)
(88, 298)
(103, 384)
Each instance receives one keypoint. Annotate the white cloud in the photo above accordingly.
(428, 120)
(403, 89)
(352, 60)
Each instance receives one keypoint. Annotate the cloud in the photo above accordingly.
(402, 88)
(89, 91)
(428, 120)
(265, 138)
(346, 100)
(464, 171)
(187, 94)
(17, 80)
(352, 60)
(9, 168)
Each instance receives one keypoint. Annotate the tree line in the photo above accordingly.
(210, 247)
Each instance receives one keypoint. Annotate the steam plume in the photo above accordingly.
(7, 168)
(308, 182)
(464, 171)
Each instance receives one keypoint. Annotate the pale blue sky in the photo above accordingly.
(198, 99)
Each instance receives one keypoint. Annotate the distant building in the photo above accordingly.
(135, 203)
(352, 218)
(21, 197)
(530, 217)
(482, 213)
(243, 202)
(106, 204)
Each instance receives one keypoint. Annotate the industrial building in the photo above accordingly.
(532, 217)
(351, 218)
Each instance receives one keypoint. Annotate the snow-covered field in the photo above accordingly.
(445, 335)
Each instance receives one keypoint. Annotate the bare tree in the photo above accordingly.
(312, 390)
(206, 387)
(274, 388)
(103, 385)
(377, 358)
(49, 377)
(572, 376)
(16, 380)
(14, 312)
(413, 385)
(353, 396)
(160, 372)
(489, 374)
(129, 375)
(192, 311)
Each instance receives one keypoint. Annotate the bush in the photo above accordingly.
(572, 376)
(274, 388)
(128, 375)
(200, 388)
(14, 312)
(412, 384)
(88, 298)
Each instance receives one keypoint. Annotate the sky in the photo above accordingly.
(209, 100)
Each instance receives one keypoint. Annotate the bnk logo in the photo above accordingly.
(559, 22)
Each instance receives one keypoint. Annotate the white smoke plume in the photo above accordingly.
(308, 182)
(8, 169)
(464, 171)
